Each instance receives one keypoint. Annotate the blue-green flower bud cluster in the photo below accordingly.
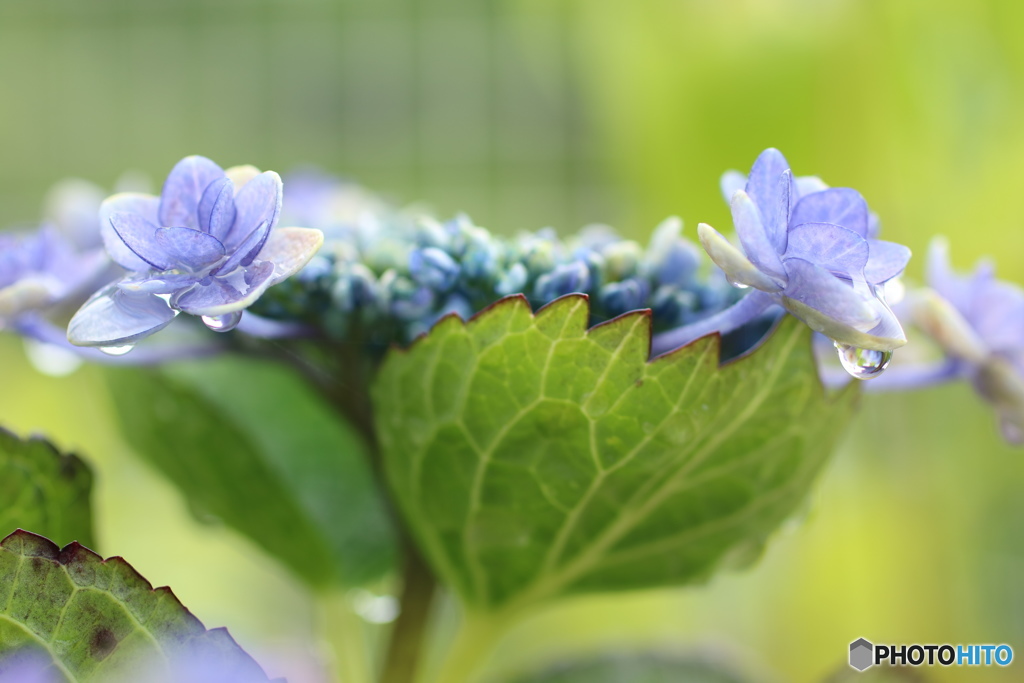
(387, 274)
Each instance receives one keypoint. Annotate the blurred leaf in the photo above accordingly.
(72, 616)
(637, 668)
(251, 444)
(533, 457)
(44, 490)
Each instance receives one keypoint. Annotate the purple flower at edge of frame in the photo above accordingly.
(811, 249)
(978, 320)
(208, 246)
(43, 269)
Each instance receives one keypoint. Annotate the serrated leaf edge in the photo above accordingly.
(74, 551)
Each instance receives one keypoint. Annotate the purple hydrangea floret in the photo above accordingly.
(978, 320)
(42, 269)
(208, 246)
(50, 266)
(813, 251)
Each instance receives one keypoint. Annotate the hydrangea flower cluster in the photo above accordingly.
(812, 250)
(978, 322)
(43, 269)
(386, 274)
(208, 246)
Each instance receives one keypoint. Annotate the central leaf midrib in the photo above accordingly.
(484, 458)
(554, 554)
(629, 518)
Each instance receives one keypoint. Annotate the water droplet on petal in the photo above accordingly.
(863, 363)
(223, 323)
(738, 285)
(117, 350)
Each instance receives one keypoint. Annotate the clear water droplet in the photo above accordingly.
(863, 363)
(117, 350)
(738, 285)
(223, 323)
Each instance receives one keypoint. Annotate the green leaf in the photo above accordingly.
(533, 457)
(637, 668)
(90, 619)
(249, 443)
(44, 490)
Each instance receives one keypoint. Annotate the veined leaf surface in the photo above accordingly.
(69, 616)
(534, 457)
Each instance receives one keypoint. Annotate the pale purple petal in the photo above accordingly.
(940, 275)
(730, 182)
(26, 294)
(779, 221)
(837, 205)
(290, 249)
(246, 252)
(183, 190)
(939, 319)
(888, 332)
(258, 201)
(217, 208)
(113, 317)
(165, 283)
(21, 255)
(139, 235)
(886, 260)
(753, 237)
(763, 182)
(267, 328)
(29, 666)
(997, 314)
(958, 290)
(874, 225)
(842, 252)
(819, 289)
(83, 270)
(232, 292)
(193, 249)
(143, 205)
(738, 269)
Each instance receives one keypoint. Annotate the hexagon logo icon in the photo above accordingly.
(861, 654)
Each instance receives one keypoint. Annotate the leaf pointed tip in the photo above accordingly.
(709, 343)
(32, 544)
(515, 300)
(76, 552)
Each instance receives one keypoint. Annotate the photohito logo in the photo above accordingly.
(865, 654)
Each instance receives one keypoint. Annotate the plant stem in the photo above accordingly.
(406, 643)
(472, 646)
(344, 633)
(343, 376)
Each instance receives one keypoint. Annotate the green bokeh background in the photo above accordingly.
(528, 113)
